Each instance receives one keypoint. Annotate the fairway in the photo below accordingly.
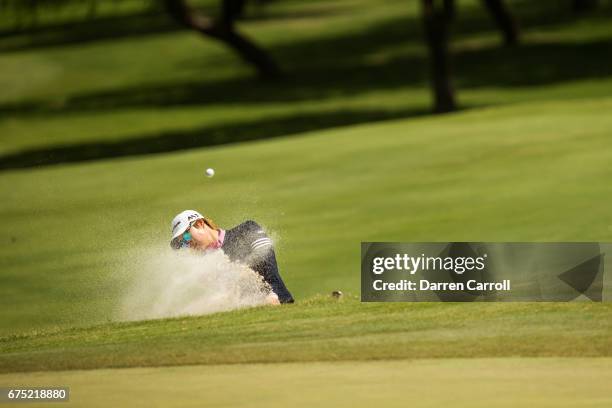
(502, 382)
(405, 180)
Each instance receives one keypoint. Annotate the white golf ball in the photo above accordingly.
(210, 172)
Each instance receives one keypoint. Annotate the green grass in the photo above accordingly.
(346, 62)
(574, 382)
(527, 160)
(324, 330)
(519, 173)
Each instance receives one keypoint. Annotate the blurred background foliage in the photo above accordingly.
(88, 79)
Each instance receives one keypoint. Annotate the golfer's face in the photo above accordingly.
(200, 236)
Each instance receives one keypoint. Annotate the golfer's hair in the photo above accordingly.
(210, 223)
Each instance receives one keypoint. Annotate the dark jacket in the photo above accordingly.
(249, 244)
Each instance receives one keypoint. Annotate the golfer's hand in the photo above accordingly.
(272, 299)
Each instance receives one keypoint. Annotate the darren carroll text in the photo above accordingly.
(424, 284)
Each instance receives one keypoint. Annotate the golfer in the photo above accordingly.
(246, 243)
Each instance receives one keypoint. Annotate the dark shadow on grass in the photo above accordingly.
(344, 65)
(350, 64)
(470, 20)
(315, 68)
(534, 64)
(208, 136)
(147, 22)
(94, 30)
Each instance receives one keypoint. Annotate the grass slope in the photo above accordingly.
(324, 330)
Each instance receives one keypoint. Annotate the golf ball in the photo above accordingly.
(210, 172)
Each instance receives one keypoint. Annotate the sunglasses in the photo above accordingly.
(185, 239)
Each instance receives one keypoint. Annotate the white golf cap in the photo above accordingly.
(182, 221)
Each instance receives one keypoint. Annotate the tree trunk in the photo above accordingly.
(504, 21)
(436, 23)
(231, 10)
(223, 30)
(450, 9)
(580, 6)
